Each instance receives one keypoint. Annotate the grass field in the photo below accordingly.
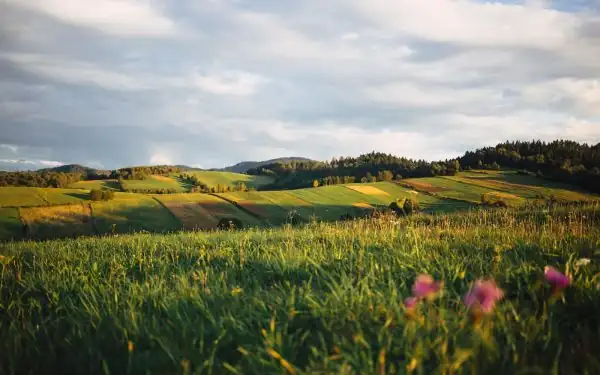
(152, 183)
(33, 197)
(97, 184)
(203, 211)
(214, 178)
(10, 224)
(57, 221)
(133, 212)
(326, 298)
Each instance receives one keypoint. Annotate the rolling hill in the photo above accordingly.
(242, 167)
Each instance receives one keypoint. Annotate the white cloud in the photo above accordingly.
(117, 17)
(350, 36)
(472, 23)
(72, 72)
(160, 159)
(50, 163)
(12, 148)
(228, 83)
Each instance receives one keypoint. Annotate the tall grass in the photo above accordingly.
(325, 298)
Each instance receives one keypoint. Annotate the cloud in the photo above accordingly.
(72, 72)
(228, 83)
(12, 148)
(130, 18)
(212, 83)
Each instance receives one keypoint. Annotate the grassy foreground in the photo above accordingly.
(326, 298)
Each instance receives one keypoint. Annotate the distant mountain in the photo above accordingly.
(245, 165)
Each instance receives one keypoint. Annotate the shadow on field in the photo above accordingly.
(82, 196)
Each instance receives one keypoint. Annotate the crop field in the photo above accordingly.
(325, 298)
(528, 186)
(57, 221)
(452, 187)
(257, 204)
(96, 184)
(203, 211)
(20, 197)
(132, 212)
(33, 197)
(152, 183)
(214, 178)
(10, 224)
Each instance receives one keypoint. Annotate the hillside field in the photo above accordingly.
(213, 178)
(96, 184)
(152, 183)
(170, 212)
(34, 197)
(319, 299)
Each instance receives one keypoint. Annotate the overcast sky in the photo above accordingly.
(109, 83)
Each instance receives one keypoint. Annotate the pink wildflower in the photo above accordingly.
(410, 303)
(556, 279)
(483, 296)
(426, 287)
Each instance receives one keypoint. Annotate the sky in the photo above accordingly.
(209, 83)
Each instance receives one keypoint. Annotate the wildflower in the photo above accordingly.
(426, 287)
(582, 262)
(556, 279)
(410, 303)
(130, 346)
(483, 296)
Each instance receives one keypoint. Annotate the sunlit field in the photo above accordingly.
(321, 298)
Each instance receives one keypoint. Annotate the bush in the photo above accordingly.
(107, 195)
(398, 206)
(96, 195)
(230, 224)
(411, 206)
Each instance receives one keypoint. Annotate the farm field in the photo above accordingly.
(203, 211)
(96, 184)
(324, 298)
(33, 197)
(130, 212)
(57, 221)
(214, 178)
(153, 182)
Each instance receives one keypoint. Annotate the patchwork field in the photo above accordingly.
(153, 183)
(132, 212)
(214, 178)
(203, 211)
(257, 204)
(97, 184)
(57, 221)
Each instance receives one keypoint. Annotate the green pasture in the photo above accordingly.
(153, 183)
(214, 178)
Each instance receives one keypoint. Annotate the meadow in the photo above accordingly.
(96, 184)
(153, 183)
(213, 178)
(323, 298)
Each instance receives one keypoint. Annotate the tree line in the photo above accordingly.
(371, 167)
(561, 160)
(39, 179)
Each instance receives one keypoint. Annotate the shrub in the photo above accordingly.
(411, 206)
(230, 224)
(96, 195)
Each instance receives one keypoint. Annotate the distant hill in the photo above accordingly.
(245, 165)
(73, 168)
